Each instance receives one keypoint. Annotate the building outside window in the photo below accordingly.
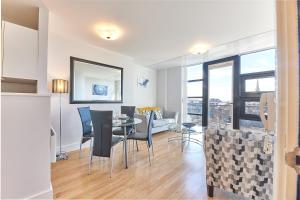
(256, 76)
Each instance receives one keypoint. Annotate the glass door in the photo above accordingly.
(219, 92)
(220, 82)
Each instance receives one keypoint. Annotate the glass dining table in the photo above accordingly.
(124, 124)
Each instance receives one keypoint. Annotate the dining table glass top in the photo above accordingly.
(126, 122)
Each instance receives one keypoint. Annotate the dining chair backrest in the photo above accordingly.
(128, 110)
(149, 128)
(102, 124)
(85, 116)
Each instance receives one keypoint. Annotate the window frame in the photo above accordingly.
(236, 89)
(240, 96)
(251, 96)
(195, 97)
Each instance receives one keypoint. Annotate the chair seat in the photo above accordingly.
(115, 140)
(88, 135)
(120, 131)
(138, 136)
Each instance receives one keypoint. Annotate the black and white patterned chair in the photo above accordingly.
(236, 162)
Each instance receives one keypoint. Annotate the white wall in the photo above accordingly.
(25, 50)
(25, 128)
(60, 50)
(20, 51)
(169, 89)
(25, 146)
(43, 49)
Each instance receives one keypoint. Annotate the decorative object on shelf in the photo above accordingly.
(60, 86)
(143, 82)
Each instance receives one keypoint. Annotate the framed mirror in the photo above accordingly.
(93, 82)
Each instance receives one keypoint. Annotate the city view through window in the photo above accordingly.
(257, 76)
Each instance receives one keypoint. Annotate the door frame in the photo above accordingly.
(287, 95)
(236, 88)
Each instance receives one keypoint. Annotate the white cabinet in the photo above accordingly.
(20, 51)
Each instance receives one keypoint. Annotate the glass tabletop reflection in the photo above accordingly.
(126, 122)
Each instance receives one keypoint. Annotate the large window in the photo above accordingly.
(232, 88)
(194, 94)
(257, 76)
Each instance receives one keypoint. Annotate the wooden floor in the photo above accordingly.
(173, 174)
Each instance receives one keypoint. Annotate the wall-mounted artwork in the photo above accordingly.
(100, 90)
(143, 82)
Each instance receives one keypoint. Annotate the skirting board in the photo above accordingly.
(72, 147)
(47, 194)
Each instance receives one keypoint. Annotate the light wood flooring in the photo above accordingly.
(173, 174)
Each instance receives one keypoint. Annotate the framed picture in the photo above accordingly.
(100, 90)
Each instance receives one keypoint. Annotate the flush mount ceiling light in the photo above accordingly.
(108, 32)
(199, 49)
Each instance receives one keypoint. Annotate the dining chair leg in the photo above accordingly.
(137, 147)
(148, 153)
(91, 146)
(80, 148)
(90, 163)
(152, 150)
(112, 160)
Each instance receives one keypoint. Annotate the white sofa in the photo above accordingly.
(158, 125)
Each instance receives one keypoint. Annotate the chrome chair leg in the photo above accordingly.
(137, 147)
(152, 150)
(90, 163)
(112, 160)
(91, 146)
(148, 153)
(80, 148)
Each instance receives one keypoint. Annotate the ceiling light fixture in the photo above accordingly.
(199, 49)
(108, 32)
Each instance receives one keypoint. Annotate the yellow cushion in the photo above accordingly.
(145, 109)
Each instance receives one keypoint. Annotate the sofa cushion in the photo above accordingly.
(157, 114)
(170, 120)
(159, 122)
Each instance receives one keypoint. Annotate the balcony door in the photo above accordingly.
(218, 88)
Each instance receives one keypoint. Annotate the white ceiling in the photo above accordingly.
(155, 31)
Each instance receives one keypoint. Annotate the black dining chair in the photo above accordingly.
(87, 130)
(145, 136)
(129, 111)
(104, 140)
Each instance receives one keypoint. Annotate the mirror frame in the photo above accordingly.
(72, 101)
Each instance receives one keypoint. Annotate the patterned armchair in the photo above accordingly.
(236, 162)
